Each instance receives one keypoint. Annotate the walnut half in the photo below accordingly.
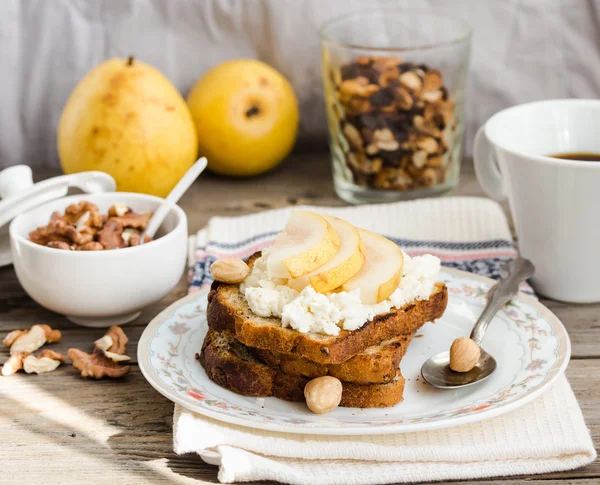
(96, 364)
(104, 359)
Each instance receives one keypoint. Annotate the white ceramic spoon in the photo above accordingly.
(171, 199)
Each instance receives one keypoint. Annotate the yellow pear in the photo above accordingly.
(246, 116)
(126, 119)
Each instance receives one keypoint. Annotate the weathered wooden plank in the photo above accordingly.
(60, 428)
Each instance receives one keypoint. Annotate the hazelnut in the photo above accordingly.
(323, 394)
(464, 354)
(229, 270)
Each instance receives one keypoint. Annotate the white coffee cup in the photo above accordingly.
(555, 203)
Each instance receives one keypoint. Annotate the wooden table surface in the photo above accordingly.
(59, 428)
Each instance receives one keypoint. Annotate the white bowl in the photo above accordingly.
(100, 288)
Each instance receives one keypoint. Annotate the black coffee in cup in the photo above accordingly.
(578, 156)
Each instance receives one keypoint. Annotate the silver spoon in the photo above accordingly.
(436, 370)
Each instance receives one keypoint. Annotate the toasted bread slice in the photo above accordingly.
(233, 366)
(228, 310)
(376, 364)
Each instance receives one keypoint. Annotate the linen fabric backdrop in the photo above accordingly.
(523, 50)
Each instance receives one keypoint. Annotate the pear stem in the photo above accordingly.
(130, 61)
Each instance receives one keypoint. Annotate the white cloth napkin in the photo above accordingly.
(544, 436)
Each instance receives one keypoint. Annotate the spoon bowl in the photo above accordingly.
(436, 371)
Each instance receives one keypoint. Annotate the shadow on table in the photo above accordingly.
(189, 466)
(123, 424)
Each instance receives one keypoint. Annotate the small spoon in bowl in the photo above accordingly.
(184, 183)
(436, 370)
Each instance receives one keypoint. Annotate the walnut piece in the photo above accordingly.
(69, 232)
(114, 344)
(104, 359)
(118, 210)
(133, 220)
(104, 343)
(83, 228)
(59, 245)
(46, 361)
(76, 211)
(52, 354)
(110, 236)
(91, 246)
(119, 340)
(39, 365)
(45, 235)
(96, 364)
(14, 363)
(116, 357)
(31, 339)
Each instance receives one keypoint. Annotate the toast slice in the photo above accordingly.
(228, 311)
(376, 364)
(233, 366)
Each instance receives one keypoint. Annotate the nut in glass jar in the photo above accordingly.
(398, 117)
(394, 83)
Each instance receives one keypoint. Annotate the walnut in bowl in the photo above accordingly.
(82, 227)
(98, 288)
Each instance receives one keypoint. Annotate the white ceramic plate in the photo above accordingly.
(528, 341)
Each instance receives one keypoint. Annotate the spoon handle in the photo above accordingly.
(159, 215)
(512, 274)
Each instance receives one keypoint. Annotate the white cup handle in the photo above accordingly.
(487, 171)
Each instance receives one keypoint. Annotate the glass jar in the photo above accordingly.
(394, 91)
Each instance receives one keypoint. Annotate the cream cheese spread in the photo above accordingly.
(308, 311)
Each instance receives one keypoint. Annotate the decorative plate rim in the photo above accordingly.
(557, 369)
